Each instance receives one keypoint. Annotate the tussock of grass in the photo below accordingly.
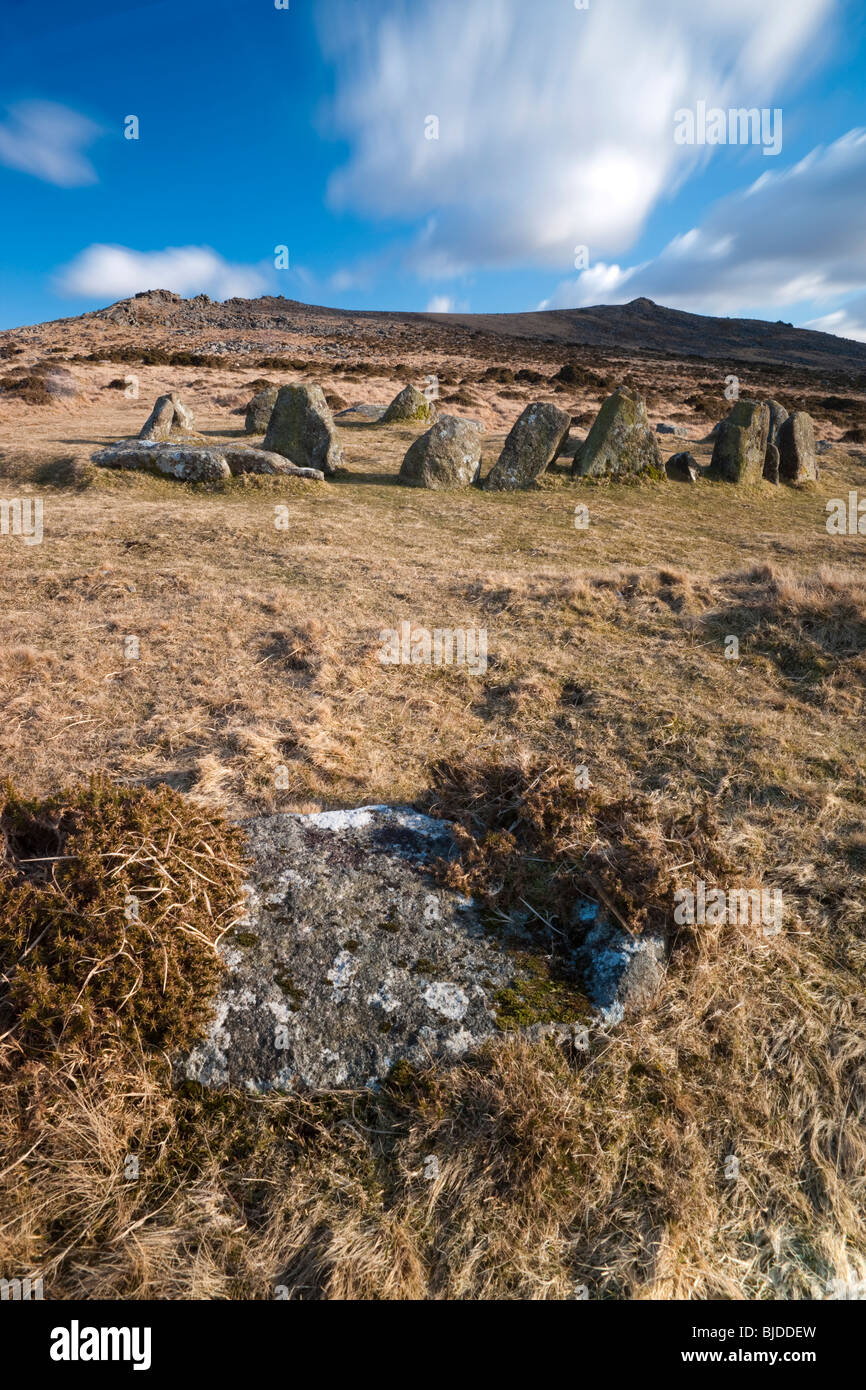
(813, 629)
(111, 905)
(530, 837)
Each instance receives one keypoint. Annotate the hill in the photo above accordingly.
(640, 328)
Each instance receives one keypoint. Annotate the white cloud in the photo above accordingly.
(555, 124)
(47, 140)
(849, 322)
(115, 272)
(796, 237)
(440, 304)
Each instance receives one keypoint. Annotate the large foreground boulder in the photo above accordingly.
(259, 409)
(741, 444)
(351, 958)
(797, 457)
(534, 442)
(168, 420)
(447, 456)
(302, 429)
(411, 406)
(190, 463)
(620, 443)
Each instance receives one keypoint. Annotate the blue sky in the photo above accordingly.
(309, 127)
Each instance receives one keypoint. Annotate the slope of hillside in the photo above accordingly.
(640, 327)
(643, 326)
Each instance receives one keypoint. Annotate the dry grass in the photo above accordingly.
(112, 905)
(258, 652)
(610, 1174)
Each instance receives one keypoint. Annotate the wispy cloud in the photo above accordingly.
(441, 304)
(555, 125)
(115, 272)
(48, 140)
(796, 237)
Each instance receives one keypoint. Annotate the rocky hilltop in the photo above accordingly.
(635, 329)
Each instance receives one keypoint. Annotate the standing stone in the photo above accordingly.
(183, 416)
(797, 459)
(302, 429)
(409, 406)
(158, 424)
(778, 416)
(683, 468)
(771, 464)
(448, 455)
(168, 419)
(259, 409)
(741, 444)
(620, 442)
(535, 440)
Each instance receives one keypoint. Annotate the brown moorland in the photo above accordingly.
(257, 651)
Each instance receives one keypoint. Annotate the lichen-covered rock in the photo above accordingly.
(188, 462)
(771, 464)
(623, 974)
(536, 439)
(258, 411)
(408, 407)
(302, 429)
(168, 419)
(683, 468)
(447, 456)
(620, 442)
(741, 444)
(797, 457)
(242, 460)
(350, 957)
